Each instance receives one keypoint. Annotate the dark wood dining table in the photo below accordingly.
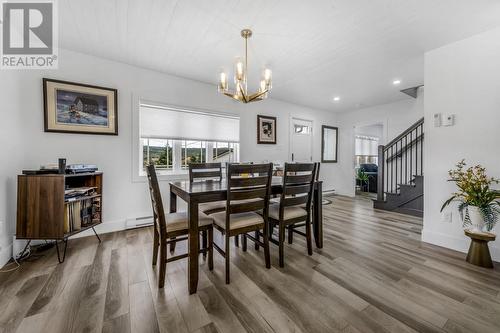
(208, 191)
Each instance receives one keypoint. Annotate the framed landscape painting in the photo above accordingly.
(79, 108)
(266, 130)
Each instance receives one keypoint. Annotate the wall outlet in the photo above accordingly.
(447, 217)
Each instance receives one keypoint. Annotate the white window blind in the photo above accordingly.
(170, 123)
(366, 146)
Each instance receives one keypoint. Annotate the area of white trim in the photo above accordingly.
(104, 228)
(455, 243)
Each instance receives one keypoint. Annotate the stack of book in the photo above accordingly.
(76, 193)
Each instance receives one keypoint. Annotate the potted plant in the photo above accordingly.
(363, 179)
(478, 202)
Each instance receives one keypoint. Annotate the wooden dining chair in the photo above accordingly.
(168, 228)
(245, 197)
(299, 225)
(207, 172)
(298, 187)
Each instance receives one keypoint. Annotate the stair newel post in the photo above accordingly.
(381, 173)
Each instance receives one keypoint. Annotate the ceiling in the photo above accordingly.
(317, 49)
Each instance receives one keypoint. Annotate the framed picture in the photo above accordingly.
(266, 130)
(79, 108)
(329, 144)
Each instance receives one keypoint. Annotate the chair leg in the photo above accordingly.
(155, 247)
(237, 240)
(211, 249)
(281, 244)
(308, 237)
(244, 242)
(172, 246)
(267, 255)
(257, 237)
(227, 258)
(163, 265)
(290, 234)
(204, 242)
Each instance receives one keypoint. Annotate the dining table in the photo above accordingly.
(195, 193)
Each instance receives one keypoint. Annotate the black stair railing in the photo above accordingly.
(400, 160)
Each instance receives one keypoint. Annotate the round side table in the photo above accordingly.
(479, 254)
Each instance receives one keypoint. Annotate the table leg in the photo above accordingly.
(193, 247)
(172, 209)
(479, 254)
(173, 202)
(318, 215)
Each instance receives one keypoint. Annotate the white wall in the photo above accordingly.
(10, 162)
(25, 145)
(395, 118)
(462, 78)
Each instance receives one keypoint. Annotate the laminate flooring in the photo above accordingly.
(373, 275)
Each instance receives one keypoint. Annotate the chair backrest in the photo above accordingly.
(240, 187)
(160, 223)
(205, 171)
(318, 165)
(298, 185)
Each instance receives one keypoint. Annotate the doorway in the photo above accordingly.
(367, 138)
(301, 140)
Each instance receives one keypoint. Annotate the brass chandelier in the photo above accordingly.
(240, 92)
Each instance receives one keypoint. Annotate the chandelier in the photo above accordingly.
(240, 92)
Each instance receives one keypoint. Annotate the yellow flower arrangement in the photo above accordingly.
(474, 189)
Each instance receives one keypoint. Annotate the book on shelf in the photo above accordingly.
(80, 214)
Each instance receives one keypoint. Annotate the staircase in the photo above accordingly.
(400, 185)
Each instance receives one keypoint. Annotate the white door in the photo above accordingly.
(301, 140)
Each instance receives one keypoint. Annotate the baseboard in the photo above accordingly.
(455, 243)
(104, 228)
(5, 254)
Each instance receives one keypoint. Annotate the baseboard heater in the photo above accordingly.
(139, 222)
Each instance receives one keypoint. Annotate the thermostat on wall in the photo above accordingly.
(437, 120)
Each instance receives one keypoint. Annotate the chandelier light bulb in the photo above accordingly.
(263, 85)
(267, 75)
(239, 72)
(223, 85)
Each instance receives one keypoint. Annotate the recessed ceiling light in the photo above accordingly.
(396, 82)
(336, 99)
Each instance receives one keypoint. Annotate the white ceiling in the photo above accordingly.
(317, 49)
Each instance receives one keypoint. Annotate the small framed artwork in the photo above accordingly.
(329, 144)
(266, 130)
(79, 108)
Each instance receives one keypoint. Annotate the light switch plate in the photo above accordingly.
(449, 120)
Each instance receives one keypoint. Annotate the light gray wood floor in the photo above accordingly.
(373, 275)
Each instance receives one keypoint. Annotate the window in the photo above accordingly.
(366, 150)
(173, 138)
(301, 129)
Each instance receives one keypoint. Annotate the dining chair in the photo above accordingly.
(169, 227)
(299, 225)
(245, 197)
(298, 186)
(207, 172)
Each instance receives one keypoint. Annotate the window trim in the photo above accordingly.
(144, 98)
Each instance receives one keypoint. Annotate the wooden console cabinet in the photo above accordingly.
(42, 210)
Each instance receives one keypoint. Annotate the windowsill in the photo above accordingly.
(163, 175)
